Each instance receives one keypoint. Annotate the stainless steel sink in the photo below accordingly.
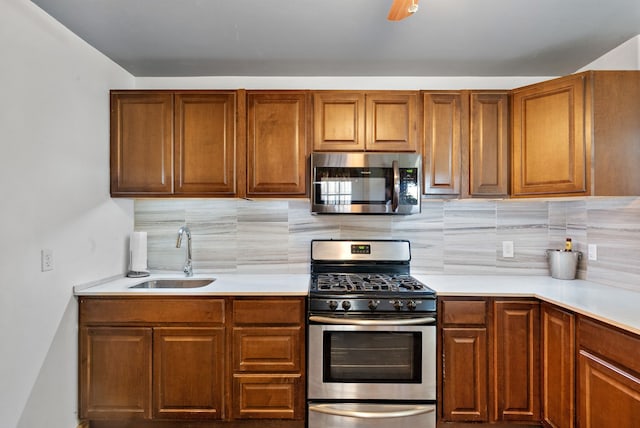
(174, 283)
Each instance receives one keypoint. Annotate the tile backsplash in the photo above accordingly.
(447, 237)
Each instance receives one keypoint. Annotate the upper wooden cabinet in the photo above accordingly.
(173, 143)
(372, 121)
(577, 135)
(141, 143)
(277, 143)
(466, 143)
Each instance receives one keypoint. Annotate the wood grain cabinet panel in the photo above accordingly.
(392, 121)
(267, 397)
(385, 121)
(465, 372)
(338, 121)
(488, 144)
(516, 375)
(558, 367)
(141, 143)
(188, 381)
(277, 143)
(577, 136)
(167, 143)
(115, 373)
(443, 135)
(268, 362)
(205, 143)
(608, 376)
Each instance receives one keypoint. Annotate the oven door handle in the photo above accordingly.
(335, 410)
(370, 322)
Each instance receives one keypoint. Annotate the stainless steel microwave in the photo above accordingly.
(365, 183)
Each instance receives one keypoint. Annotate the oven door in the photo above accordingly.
(362, 415)
(372, 362)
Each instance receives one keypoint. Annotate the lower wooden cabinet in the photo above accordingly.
(115, 373)
(203, 359)
(608, 376)
(188, 373)
(516, 372)
(268, 358)
(558, 367)
(490, 366)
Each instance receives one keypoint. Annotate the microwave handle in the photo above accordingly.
(336, 410)
(395, 199)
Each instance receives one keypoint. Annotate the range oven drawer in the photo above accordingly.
(363, 415)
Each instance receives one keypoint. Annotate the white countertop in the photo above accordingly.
(616, 306)
(224, 285)
(613, 305)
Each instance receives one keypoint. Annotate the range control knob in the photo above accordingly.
(333, 305)
(397, 304)
(346, 305)
(373, 304)
(411, 305)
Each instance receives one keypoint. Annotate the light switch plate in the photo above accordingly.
(593, 252)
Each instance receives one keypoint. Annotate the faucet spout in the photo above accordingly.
(188, 268)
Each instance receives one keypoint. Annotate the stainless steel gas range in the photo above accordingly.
(372, 337)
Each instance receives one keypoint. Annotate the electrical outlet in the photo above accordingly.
(507, 249)
(593, 252)
(46, 259)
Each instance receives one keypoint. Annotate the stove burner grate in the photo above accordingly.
(368, 282)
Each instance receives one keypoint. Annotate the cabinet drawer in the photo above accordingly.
(268, 311)
(268, 397)
(267, 349)
(146, 310)
(610, 343)
(464, 312)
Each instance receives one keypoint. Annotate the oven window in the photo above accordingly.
(372, 357)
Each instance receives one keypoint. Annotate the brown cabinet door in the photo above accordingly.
(488, 144)
(338, 121)
(188, 380)
(276, 396)
(465, 373)
(609, 395)
(141, 143)
(392, 121)
(205, 143)
(267, 349)
(443, 136)
(115, 373)
(549, 144)
(516, 374)
(558, 367)
(277, 143)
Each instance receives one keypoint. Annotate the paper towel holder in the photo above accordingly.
(138, 255)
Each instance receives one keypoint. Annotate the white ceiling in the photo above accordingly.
(349, 37)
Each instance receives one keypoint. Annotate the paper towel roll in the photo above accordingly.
(138, 248)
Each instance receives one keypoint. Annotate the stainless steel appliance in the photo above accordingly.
(365, 183)
(371, 339)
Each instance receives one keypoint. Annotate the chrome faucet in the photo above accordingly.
(188, 269)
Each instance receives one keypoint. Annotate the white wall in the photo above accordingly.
(54, 173)
(624, 57)
(336, 83)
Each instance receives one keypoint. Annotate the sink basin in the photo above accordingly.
(174, 283)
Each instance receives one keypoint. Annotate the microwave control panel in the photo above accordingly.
(409, 187)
